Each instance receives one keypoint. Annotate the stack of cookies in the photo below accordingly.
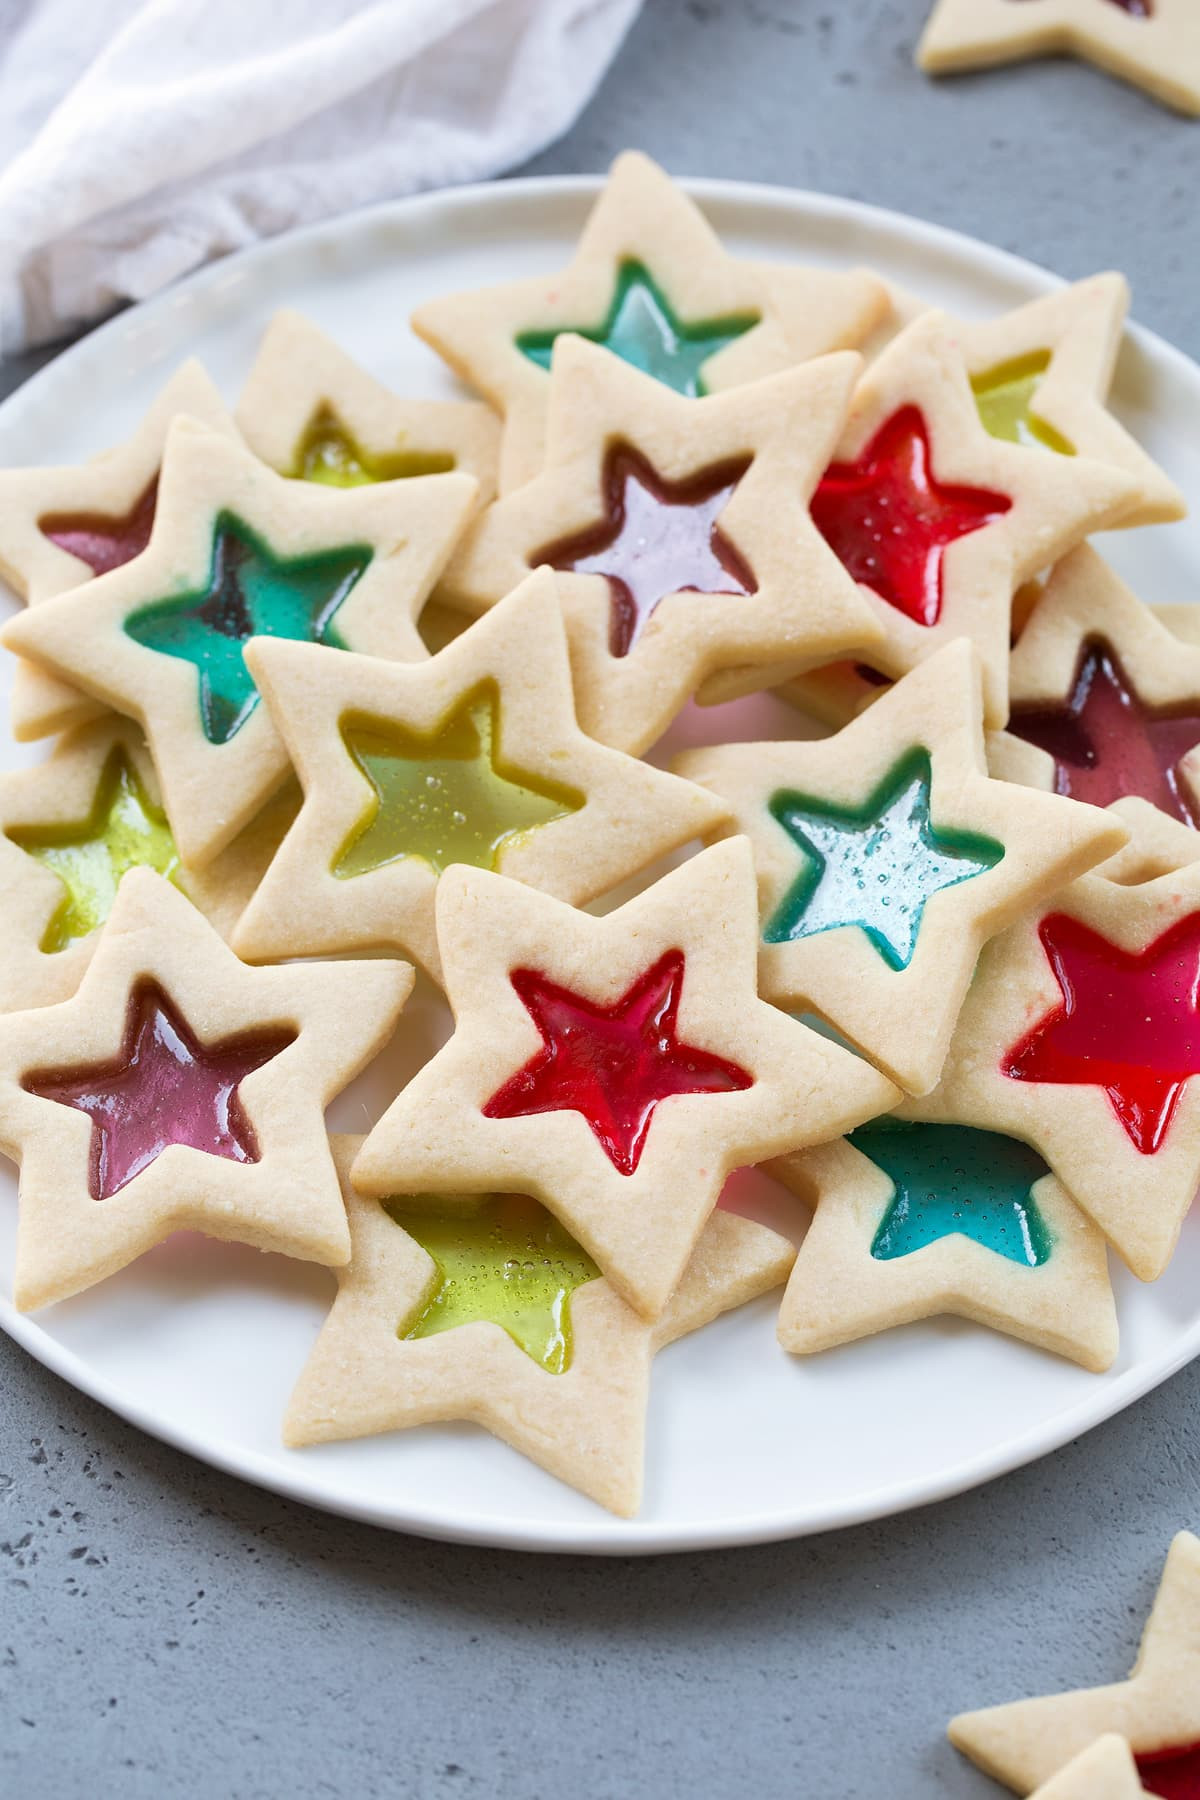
(343, 683)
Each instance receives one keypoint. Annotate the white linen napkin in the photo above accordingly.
(139, 138)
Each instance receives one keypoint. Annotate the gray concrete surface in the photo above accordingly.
(166, 1631)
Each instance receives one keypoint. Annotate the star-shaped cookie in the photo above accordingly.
(238, 551)
(681, 533)
(917, 1215)
(1081, 1035)
(1157, 1710)
(486, 1310)
(886, 858)
(1106, 1770)
(1041, 375)
(938, 521)
(313, 413)
(1153, 43)
(61, 526)
(651, 282)
(617, 1068)
(472, 757)
(179, 1090)
(71, 827)
(1105, 701)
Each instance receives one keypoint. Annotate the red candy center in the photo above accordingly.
(1107, 743)
(1171, 1774)
(104, 543)
(614, 1063)
(889, 519)
(1128, 1023)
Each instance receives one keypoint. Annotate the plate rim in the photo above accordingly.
(608, 1535)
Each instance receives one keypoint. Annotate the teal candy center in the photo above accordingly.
(877, 866)
(642, 329)
(954, 1179)
(250, 593)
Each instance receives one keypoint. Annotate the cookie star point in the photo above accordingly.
(1157, 1710)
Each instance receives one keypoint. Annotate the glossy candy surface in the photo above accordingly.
(164, 1088)
(889, 519)
(329, 454)
(250, 593)
(506, 1261)
(657, 538)
(613, 1064)
(103, 542)
(124, 830)
(1171, 1774)
(643, 329)
(448, 797)
(1107, 743)
(876, 866)
(1005, 397)
(954, 1179)
(1128, 1023)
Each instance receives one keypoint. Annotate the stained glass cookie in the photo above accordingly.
(917, 1215)
(72, 826)
(1153, 43)
(487, 1309)
(1081, 1036)
(616, 1068)
(473, 757)
(941, 523)
(651, 283)
(1105, 701)
(1157, 1711)
(681, 533)
(886, 858)
(313, 413)
(238, 551)
(1041, 375)
(61, 526)
(179, 1090)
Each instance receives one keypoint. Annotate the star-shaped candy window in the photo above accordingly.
(250, 593)
(642, 328)
(614, 1064)
(124, 830)
(1107, 743)
(506, 1261)
(164, 1088)
(876, 866)
(1172, 1774)
(101, 542)
(657, 538)
(450, 796)
(952, 1178)
(1128, 1023)
(1005, 398)
(328, 453)
(889, 519)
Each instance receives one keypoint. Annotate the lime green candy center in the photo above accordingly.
(643, 329)
(330, 454)
(1005, 397)
(505, 1261)
(123, 831)
(446, 797)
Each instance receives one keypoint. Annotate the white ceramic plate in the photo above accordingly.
(200, 1343)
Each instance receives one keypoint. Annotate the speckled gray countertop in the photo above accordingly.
(166, 1631)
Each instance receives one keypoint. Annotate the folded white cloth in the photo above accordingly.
(139, 138)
